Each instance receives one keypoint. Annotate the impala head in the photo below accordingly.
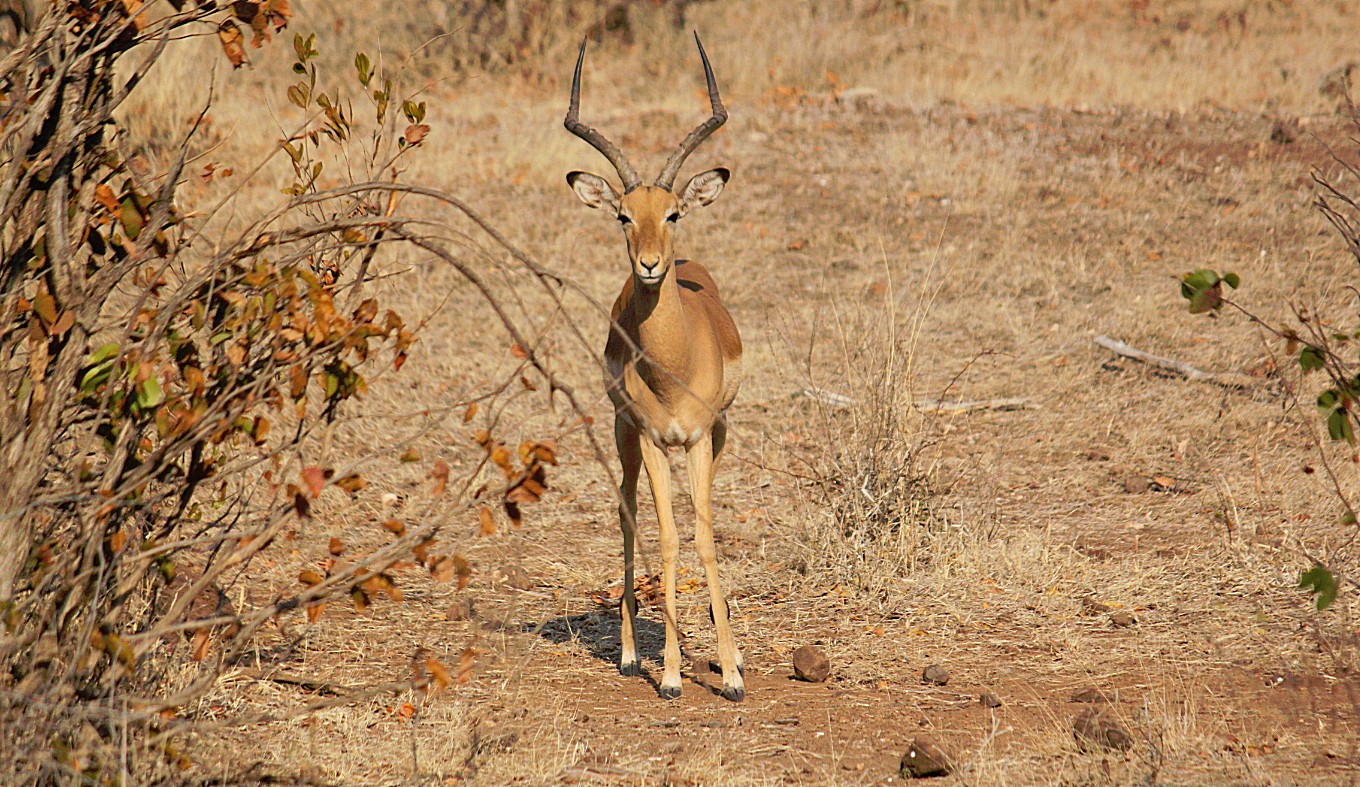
(648, 213)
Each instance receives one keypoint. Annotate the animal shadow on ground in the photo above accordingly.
(600, 633)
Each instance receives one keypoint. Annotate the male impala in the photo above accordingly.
(674, 361)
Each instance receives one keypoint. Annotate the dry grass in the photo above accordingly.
(961, 234)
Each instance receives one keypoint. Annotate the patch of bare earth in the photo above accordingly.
(1128, 538)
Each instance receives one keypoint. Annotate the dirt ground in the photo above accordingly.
(987, 245)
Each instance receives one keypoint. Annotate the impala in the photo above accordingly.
(674, 366)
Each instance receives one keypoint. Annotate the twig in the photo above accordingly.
(842, 402)
(1170, 364)
(1002, 405)
(288, 679)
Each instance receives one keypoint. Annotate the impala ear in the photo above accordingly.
(594, 191)
(703, 189)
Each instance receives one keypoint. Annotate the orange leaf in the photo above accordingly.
(488, 523)
(314, 611)
(438, 673)
(352, 483)
(310, 578)
(104, 196)
(422, 550)
(518, 351)
(201, 643)
(470, 412)
(117, 541)
(463, 569)
(465, 664)
(395, 527)
(314, 478)
(233, 42)
(440, 473)
(337, 547)
(416, 133)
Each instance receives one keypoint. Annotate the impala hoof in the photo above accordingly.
(734, 693)
(669, 692)
(631, 669)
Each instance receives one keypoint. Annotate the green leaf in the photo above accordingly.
(1232, 280)
(1339, 426)
(299, 46)
(149, 393)
(1311, 358)
(364, 67)
(1322, 584)
(1327, 400)
(104, 353)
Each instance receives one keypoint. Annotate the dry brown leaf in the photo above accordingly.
(314, 611)
(470, 412)
(488, 523)
(352, 483)
(233, 43)
(466, 662)
(310, 578)
(202, 641)
(416, 133)
(314, 479)
(395, 527)
(337, 547)
(440, 474)
(441, 677)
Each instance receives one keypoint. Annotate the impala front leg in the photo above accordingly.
(702, 459)
(630, 460)
(659, 474)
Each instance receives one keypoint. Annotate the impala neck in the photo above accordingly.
(662, 328)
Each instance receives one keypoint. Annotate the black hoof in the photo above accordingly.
(669, 692)
(733, 694)
(631, 669)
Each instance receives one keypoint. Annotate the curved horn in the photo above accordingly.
(595, 138)
(698, 135)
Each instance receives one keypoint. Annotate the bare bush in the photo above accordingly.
(160, 382)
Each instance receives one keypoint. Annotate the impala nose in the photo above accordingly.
(648, 267)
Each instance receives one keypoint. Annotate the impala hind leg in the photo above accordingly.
(703, 457)
(630, 459)
(659, 475)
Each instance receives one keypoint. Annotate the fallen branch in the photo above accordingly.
(310, 684)
(1000, 405)
(841, 402)
(1170, 364)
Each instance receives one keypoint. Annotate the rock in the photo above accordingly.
(1122, 619)
(935, 675)
(923, 760)
(989, 700)
(459, 610)
(1097, 728)
(514, 576)
(811, 664)
(1137, 484)
(1090, 694)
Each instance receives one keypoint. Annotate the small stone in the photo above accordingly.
(1096, 727)
(514, 576)
(935, 675)
(1137, 484)
(1090, 694)
(459, 610)
(811, 664)
(1122, 619)
(989, 700)
(923, 760)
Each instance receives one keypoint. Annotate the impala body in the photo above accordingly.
(674, 366)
